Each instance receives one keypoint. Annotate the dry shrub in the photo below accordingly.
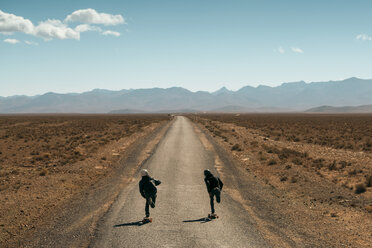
(342, 164)
(360, 188)
(369, 181)
(283, 179)
(43, 172)
(272, 162)
(297, 161)
(352, 172)
(332, 166)
(236, 147)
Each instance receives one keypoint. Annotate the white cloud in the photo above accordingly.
(297, 50)
(281, 50)
(363, 37)
(93, 17)
(11, 41)
(55, 29)
(31, 43)
(10, 23)
(86, 27)
(110, 32)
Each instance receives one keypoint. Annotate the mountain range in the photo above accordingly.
(296, 96)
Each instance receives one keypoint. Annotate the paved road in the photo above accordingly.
(182, 203)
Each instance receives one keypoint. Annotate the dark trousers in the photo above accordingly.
(149, 200)
(214, 192)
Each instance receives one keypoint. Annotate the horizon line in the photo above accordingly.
(132, 89)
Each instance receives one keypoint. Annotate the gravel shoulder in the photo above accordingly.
(308, 206)
(73, 201)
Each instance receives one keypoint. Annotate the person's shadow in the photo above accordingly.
(135, 223)
(201, 220)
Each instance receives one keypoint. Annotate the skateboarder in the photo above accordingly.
(147, 188)
(214, 187)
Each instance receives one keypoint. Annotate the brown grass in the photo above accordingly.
(45, 159)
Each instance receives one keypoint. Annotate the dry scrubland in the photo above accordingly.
(46, 159)
(320, 165)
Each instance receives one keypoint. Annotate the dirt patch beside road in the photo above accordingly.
(47, 160)
(315, 185)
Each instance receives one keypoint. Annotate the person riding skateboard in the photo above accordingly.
(214, 187)
(147, 188)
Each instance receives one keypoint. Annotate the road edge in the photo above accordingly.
(75, 224)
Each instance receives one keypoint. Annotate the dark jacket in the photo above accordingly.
(213, 182)
(147, 186)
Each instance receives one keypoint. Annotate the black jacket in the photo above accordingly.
(213, 182)
(147, 186)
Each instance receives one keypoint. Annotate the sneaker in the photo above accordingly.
(212, 216)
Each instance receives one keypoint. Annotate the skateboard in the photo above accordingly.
(146, 220)
(212, 216)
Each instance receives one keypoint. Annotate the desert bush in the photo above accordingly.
(342, 164)
(360, 188)
(369, 181)
(293, 179)
(283, 178)
(282, 156)
(352, 172)
(332, 166)
(272, 162)
(236, 147)
(297, 161)
(318, 163)
(43, 172)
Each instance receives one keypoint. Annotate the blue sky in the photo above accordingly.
(198, 45)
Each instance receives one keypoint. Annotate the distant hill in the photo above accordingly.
(345, 109)
(240, 109)
(135, 111)
(223, 90)
(297, 96)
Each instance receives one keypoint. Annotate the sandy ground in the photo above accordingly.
(319, 200)
(31, 193)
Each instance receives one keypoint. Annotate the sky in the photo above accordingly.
(79, 45)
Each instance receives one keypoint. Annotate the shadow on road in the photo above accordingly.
(135, 223)
(201, 220)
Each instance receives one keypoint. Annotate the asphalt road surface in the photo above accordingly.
(182, 203)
